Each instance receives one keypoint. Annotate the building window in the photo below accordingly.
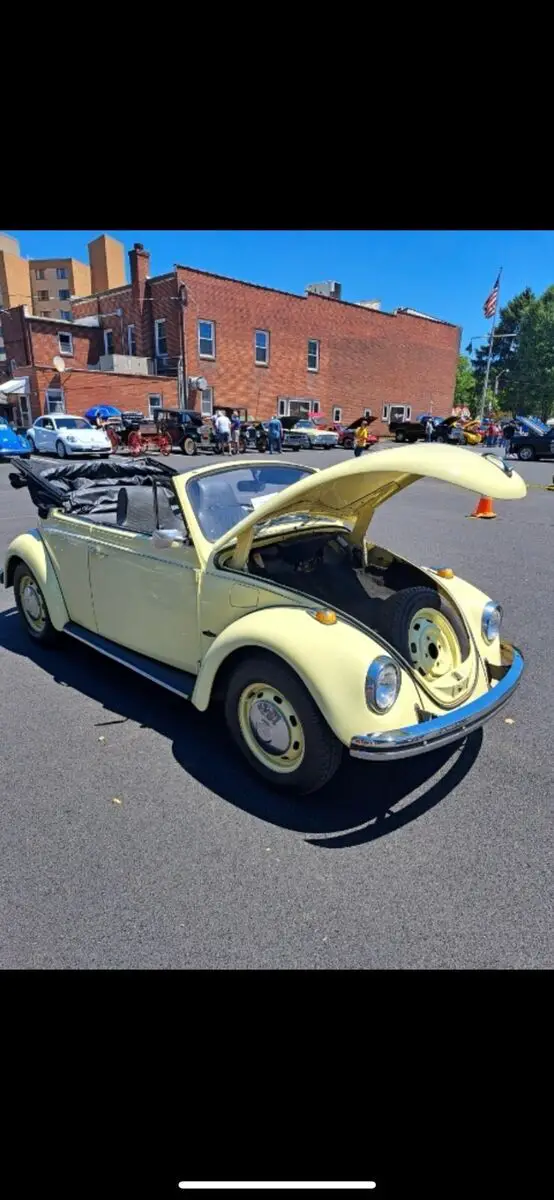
(206, 339)
(207, 402)
(61, 273)
(315, 407)
(39, 274)
(108, 341)
(337, 415)
(131, 340)
(65, 342)
(313, 355)
(43, 295)
(64, 294)
(282, 408)
(368, 413)
(161, 338)
(65, 314)
(261, 347)
(24, 411)
(54, 400)
(154, 401)
(45, 312)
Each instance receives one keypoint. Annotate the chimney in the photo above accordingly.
(139, 260)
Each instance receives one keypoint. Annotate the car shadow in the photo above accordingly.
(361, 803)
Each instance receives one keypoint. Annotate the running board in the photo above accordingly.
(180, 682)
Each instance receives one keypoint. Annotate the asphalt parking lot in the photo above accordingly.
(443, 862)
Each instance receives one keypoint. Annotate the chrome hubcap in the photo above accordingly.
(32, 604)
(271, 728)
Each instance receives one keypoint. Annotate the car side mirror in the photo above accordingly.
(163, 539)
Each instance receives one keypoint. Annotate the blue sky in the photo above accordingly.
(445, 273)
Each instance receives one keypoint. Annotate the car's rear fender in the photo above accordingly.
(331, 661)
(30, 549)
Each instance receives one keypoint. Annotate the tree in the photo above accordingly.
(464, 392)
(531, 379)
(504, 348)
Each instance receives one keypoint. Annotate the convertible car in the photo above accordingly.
(254, 583)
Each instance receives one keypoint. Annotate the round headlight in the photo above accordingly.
(491, 620)
(382, 684)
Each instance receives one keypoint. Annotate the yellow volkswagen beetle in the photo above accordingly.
(255, 583)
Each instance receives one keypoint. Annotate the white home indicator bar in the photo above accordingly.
(218, 1186)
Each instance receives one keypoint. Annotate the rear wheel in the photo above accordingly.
(32, 607)
(134, 443)
(31, 442)
(526, 453)
(165, 444)
(278, 727)
(426, 630)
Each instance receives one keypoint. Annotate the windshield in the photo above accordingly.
(72, 423)
(305, 424)
(223, 498)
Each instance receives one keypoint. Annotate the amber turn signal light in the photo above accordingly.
(446, 573)
(326, 617)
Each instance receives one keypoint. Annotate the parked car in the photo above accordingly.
(66, 435)
(347, 434)
(315, 640)
(254, 436)
(186, 428)
(449, 431)
(12, 443)
(534, 439)
(307, 434)
(407, 431)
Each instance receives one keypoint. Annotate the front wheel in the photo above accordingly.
(278, 727)
(526, 453)
(32, 607)
(188, 446)
(61, 450)
(32, 445)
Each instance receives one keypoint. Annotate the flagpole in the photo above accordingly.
(491, 342)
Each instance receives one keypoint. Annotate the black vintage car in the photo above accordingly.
(534, 439)
(186, 428)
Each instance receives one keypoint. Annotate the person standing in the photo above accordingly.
(360, 438)
(275, 432)
(235, 432)
(428, 430)
(223, 431)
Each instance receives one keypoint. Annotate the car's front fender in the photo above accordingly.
(30, 549)
(331, 661)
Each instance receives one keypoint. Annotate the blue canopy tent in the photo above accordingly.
(105, 411)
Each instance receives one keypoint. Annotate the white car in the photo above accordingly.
(64, 435)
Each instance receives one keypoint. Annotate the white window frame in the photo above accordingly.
(108, 333)
(131, 338)
(207, 402)
(66, 353)
(314, 342)
(154, 401)
(65, 314)
(43, 294)
(337, 416)
(368, 414)
(315, 407)
(55, 397)
(61, 273)
(206, 321)
(385, 413)
(39, 273)
(283, 408)
(261, 362)
(160, 321)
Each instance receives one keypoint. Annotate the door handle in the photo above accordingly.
(98, 553)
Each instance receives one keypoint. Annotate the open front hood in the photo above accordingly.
(357, 487)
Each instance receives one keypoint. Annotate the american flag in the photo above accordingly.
(489, 307)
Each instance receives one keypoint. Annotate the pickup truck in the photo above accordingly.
(407, 431)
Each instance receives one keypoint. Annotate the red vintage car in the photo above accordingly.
(347, 433)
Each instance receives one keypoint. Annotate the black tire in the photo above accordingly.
(348, 444)
(61, 450)
(48, 636)
(188, 447)
(323, 751)
(398, 611)
(399, 436)
(526, 453)
(440, 438)
(31, 442)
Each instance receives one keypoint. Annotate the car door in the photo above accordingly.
(68, 540)
(146, 598)
(48, 436)
(39, 433)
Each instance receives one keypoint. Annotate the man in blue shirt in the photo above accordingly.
(275, 431)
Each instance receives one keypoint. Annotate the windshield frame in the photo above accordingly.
(301, 471)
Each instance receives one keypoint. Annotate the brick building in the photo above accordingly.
(256, 347)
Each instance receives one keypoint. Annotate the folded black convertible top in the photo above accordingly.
(51, 485)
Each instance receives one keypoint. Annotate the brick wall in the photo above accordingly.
(83, 389)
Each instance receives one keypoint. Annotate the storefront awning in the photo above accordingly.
(14, 387)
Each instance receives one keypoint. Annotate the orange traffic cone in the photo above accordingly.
(483, 508)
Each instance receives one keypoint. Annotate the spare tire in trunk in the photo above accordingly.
(426, 629)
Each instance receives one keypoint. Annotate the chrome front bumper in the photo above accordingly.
(439, 731)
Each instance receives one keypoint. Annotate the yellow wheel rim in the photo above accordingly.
(271, 728)
(32, 604)
(434, 647)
